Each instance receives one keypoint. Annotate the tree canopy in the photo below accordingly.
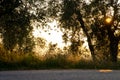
(101, 35)
(98, 19)
(14, 24)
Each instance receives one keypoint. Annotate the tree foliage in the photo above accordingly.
(15, 24)
(74, 15)
(16, 17)
(91, 17)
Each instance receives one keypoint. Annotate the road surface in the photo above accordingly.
(60, 75)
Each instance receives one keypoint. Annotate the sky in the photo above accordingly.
(52, 35)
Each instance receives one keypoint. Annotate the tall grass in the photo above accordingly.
(21, 61)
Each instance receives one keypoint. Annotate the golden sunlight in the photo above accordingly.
(105, 70)
(108, 20)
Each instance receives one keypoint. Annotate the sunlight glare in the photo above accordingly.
(53, 34)
(88, 1)
(108, 20)
(105, 70)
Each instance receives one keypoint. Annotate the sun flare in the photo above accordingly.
(108, 20)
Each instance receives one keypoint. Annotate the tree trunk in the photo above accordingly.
(114, 49)
(87, 34)
(113, 45)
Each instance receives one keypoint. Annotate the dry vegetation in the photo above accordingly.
(21, 61)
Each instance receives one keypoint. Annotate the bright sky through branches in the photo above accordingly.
(88, 1)
(51, 33)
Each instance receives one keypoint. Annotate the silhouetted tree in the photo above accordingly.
(73, 19)
(91, 18)
(15, 25)
(15, 20)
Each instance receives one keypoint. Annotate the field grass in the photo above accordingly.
(30, 61)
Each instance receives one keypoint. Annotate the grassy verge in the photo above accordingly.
(13, 61)
(28, 61)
